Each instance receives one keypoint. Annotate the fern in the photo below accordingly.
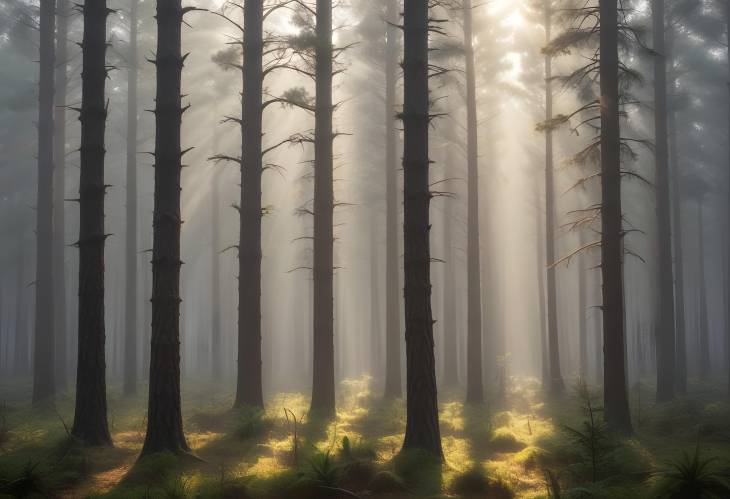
(692, 477)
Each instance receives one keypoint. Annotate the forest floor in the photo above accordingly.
(519, 447)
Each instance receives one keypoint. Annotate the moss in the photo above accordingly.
(251, 423)
(153, 469)
(531, 458)
(503, 440)
(419, 470)
(386, 482)
(475, 483)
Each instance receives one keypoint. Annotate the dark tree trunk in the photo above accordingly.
(323, 380)
(59, 194)
(90, 423)
(393, 381)
(215, 295)
(727, 295)
(422, 423)
(450, 329)
(557, 385)
(704, 334)
(249, 390)
(130, 300)
(676, 205)
(164, 415)
(666, 334)
(44, 356)
(474, 387)
(616, 402)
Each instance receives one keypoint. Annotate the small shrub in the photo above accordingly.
(176, 488)
(27, 483)
(251, 423)
(154, 468)
(358, 450)
(475, 482)
(419, 470)
(323, 470)
(530, 457)
(504, 440)
(692, 477)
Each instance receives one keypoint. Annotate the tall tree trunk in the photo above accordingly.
(727, 295)
(164, 415)
(59, 194)
(323, 382)
(249, 391)
(474, 387)
(540, 266)
(376, 331)
(615, 395)
(676, 206)
(130, 300)
(556, 378)
(44, 356)
(422, 423)
(450, 328)
(704, 344)
(393, 381)
(215, 295)
(90, 423)
(666, 332)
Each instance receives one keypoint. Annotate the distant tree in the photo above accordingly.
(131, 249)
(44, 345)
(90, 422)
(164, 415)
(422, 424)
(63, 13)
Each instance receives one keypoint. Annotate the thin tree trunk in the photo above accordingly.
(582, 309)
(704, 357)
(541, 272)
(323, 381)
(130, 300)
(376, 332)
(44, 356)
(90, 423)
(164, 415)
(557, 385)
(450, 329)
(666, 332)
(249, 391)
(393, 382)
(422, 423)
(474, 387)
(59, 194)
(727, 295)
(616, 402)
(20, 341)
(215, 295)
(676, 205)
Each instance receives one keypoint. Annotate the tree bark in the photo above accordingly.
(90, 423)
(393, 380)
(249, 391)
(215, 300)
(616, 403)
(59, 194)
(20, 341)
(130, 300)
(665, 273)
(557, 386)
(450, 329)
(582, 312)
(474, 387)
(323, 379)
(541, 272)
(422, 423)
(164, 417)
(727, 295)
(44, 356)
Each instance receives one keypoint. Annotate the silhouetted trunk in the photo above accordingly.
(63, 12)
(616, 403)
(541, 305)
(323, 382)
(130, 300)
(249, 390)
(704, 339)
(450, 329)
(474, 387)
(393, 381)
(44, 356)
(556, 378)
(665, 341)
(164, 417)
(90, 423)
(422, 424)
(727, 295)
(676, 205)
(215, 295)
